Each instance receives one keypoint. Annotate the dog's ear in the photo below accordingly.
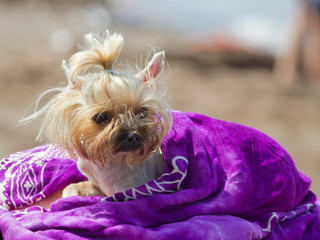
(153, 68)
(74, 84)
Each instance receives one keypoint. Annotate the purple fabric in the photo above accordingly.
(221, 181)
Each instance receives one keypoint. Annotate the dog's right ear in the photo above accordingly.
(73, 84)
(153, 68)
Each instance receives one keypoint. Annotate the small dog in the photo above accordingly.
(111, 121)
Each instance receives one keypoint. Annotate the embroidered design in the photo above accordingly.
(277, 217)
(21, 176)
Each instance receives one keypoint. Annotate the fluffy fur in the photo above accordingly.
(111, 121)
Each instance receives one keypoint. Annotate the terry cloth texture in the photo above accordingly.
(222, 181)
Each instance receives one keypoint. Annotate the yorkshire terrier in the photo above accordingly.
(111, 121)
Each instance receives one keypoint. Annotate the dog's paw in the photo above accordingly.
(71, 190)
(81, 189)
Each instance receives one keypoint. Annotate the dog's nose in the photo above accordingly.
(130, 142)
(133, 138)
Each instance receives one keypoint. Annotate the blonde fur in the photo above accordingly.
(98, 52)
(68, 117)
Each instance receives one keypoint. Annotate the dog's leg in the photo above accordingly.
(82, 189)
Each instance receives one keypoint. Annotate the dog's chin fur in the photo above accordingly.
(131, 159)
(92, 117)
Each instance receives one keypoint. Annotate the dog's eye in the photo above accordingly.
(101, 118)
(143, 112)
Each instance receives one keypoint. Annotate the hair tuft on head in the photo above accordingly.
(99, 53)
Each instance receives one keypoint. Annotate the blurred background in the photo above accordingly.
(246, 61)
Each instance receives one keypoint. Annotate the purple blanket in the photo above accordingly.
(221, 181)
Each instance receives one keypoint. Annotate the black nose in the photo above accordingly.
(130, 142)
(133, 138)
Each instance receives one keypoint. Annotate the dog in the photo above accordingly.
(111, 121)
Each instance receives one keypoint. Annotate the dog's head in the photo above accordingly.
(104, 111)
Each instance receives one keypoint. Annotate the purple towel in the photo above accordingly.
(222, 181)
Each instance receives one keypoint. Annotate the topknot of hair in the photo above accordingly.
(98, 54)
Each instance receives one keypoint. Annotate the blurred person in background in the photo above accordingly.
(302, 58)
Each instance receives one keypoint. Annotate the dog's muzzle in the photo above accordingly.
(129, 142)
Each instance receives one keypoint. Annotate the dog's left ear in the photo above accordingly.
(153, 68)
